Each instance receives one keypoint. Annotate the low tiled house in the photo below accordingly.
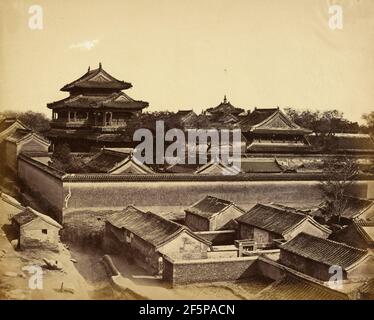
(359, 234)
(36, 230)
(315, 256)
(147, 237)
(211, 214)
(265, 223)
(23, 141)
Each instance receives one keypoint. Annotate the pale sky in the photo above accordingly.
(188, 54)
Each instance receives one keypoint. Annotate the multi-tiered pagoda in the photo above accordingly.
(224, 114)
(95, 114)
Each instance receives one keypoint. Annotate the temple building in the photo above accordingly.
(224, 114)
(95, 114)
(270, 130)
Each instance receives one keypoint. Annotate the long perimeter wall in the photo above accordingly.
(167, 193)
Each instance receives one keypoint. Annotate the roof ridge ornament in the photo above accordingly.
(224, 99)
(89, 68)
(100, 66)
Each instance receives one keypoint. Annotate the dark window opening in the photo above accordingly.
(44, 231)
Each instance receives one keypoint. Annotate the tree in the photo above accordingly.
(369, 119)
(62, 159)
(36, 121)
(324, 123)
(340, 174)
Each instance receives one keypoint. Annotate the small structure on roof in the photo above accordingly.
(316, 257)
(36, 230)
(147, 237)
(23, 140)
(265, 223)
(212, 213)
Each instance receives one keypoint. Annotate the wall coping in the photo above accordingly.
(104, 177)
(207, 261)
(214, 232)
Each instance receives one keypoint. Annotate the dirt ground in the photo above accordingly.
(86, 278)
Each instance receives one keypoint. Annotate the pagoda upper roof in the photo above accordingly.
(271, 120)
(225, 107)
(117, 100)
(96, 79)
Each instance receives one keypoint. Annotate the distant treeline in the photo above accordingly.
(320, 122)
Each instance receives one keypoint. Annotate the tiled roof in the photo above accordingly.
(180, 168)
(292, 288)
(272, 218)
(225, 107)
(30, 214)
(368, 287)
(21, 134)
(7, 122)
(353, 209)
(10, 200)
(323, 250)
(257, 121)
(184, 112)
(366, 230)
(98, 79)
(355, 206)
(106, 160)
(117, 100)
(209, 206)
(257, 116)
(148, 226)
(260, 165)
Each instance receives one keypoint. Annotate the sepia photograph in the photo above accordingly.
(174, 150)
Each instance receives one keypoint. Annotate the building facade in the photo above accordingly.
(36, 231)
(147, 238)
(317, 258)
(270, 130)
(266, 223)
(211, 213)
(23, 141)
